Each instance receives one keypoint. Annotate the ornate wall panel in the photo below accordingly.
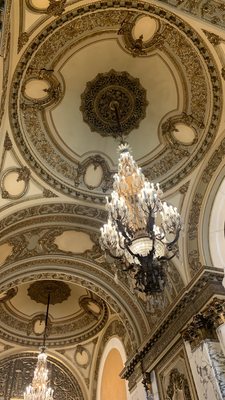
(16, 373)
(174, 375)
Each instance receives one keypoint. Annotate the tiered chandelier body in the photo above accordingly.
(39, 389)
(141, 229)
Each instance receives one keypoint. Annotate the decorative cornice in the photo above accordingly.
(204, 324)
(200, 290)
(212, 11)
(58, 212)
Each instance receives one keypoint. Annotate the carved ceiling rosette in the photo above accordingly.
(100, 94)
(183, 48)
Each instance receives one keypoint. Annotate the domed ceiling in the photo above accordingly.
(75, 314)
(71, 73)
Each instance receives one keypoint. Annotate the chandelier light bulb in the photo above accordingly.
(141, 229)
(39, 389)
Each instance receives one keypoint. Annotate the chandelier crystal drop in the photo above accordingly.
(39, 389)
(141, 229)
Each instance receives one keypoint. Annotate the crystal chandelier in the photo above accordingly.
(142, 231)
(39, 389)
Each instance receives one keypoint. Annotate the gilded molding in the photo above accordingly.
(9, 294)
(65, 213)
(196, 207)
(65, 333)
(5, 35)
(137, 47)
(187, 54)
(22, 40)
(178, 381)
(7, 142)
(214, 39)
(212, 11)
(204, 324)
(113, 87)
(23, 174)
(88, 275)
(191, 300)
(115, 328)
(56, 7)
(97, 161)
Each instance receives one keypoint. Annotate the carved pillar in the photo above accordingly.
(205, 353)
(216, 311)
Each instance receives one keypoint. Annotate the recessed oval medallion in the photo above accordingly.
(93, 176)
(145, 26)
(39, 4)
(14, 187)
(184, 134)
(36, 89)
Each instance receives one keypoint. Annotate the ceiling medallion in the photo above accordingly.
(38, 291)
(99, 96)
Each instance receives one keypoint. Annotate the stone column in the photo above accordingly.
(205, 353)
(143, 385)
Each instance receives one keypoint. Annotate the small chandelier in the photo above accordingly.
(39, 389)
(142, 231)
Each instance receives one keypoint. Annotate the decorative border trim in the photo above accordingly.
(163, 14)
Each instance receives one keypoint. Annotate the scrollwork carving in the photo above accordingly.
(214, 39)
(106, 180)
(7, 142)
(22, 40)
(211, 10)
(16, 372)
(136, 46)
(73, 27)
(56, 7)
(178, 383)
(97, 103)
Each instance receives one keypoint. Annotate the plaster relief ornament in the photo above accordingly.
(97, 103)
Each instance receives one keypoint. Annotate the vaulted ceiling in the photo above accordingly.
(63, 64)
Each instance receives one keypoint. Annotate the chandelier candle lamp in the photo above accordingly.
(39, 389)
(142, 231)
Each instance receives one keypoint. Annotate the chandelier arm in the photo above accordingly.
(131, 252)
(112, 255)
(170, 244)
(165, 258)
(132, 266)
(121, 229)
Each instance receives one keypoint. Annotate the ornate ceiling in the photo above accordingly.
(64, 64)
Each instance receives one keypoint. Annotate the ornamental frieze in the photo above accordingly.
(180, 43)
(212, 11)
